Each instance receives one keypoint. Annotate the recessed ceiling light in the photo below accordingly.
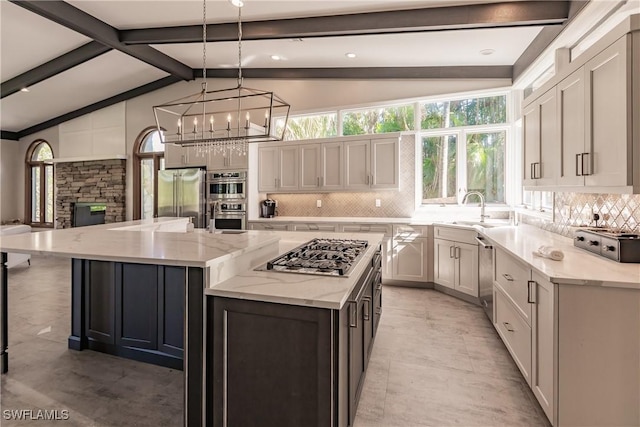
(24, 89)
(276, 57)
(350, 55)
(237, 3)
(487, 51)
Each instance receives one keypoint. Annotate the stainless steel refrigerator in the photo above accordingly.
(181, 193)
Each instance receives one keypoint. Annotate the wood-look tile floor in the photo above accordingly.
(436, 361)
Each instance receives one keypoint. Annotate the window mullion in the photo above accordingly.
(461, 160)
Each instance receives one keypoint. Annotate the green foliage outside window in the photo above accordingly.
(464, 112)
(378, 120)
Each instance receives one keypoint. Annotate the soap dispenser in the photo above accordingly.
(190, 225)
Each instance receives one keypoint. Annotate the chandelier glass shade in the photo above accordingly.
(225, 119)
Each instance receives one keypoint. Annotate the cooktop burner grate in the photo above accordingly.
(335, 257)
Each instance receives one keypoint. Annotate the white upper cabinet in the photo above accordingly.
(332, 166)
(176, 156)
(385, 163)
(540, 140)
(608, 80)
(346, 164)
(372, 164)
(357, 164)
(310, 166)
(227, 161)
(268, 169)
(579, 135)
(571, 112)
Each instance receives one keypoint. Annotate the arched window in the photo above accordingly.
(39, 184)
(148, 155)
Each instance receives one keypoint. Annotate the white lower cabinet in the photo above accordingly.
(543, 348)
(455, 259)
(410, 253)
(525, 316)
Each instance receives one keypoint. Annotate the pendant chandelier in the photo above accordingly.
(225, 120)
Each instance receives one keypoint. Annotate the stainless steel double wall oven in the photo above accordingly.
(226, 198)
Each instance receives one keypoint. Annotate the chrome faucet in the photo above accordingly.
(477, 193)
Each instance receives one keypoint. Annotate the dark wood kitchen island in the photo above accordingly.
(135, 283)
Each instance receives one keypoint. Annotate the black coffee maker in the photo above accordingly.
(268, 208)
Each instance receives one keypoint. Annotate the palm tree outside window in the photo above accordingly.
(39, 184)
(148, 160)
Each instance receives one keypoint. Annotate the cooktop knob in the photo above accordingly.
(593, 243)
(609, 248)
(580, 238)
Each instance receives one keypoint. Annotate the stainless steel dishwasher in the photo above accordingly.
(485, 275)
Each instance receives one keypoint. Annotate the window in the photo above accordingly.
(541, 201)
(148, 160)
(309, 126)
(39, 200)
(378, 120)
(463, 149)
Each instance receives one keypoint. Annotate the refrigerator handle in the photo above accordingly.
(175, 198)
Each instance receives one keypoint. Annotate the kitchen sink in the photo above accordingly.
(230, 231)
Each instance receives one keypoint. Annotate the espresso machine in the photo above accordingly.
(268, 208)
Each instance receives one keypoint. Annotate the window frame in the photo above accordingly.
(42, 165)
(461, 133)
(138, 156)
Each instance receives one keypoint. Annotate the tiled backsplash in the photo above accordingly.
(621, 211)
(392, 203)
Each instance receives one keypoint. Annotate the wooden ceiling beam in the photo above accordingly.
(475, 16)
(79, 21)
(51, 68)
(366, 73)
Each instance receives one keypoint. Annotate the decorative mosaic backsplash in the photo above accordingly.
(392, 203)
(620, 211)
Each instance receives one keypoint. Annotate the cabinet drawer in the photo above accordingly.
(409, 231)
(514, 331)
(313, 227)
(268, 226)
(455, 234)
(367, 228)
(512, 277)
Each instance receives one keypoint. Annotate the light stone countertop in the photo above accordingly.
(162, 241)
(298, 289)
(421, 220)
(578, 267)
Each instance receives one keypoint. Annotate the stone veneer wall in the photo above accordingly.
(571, 210)
(393, 203)
(91, 181)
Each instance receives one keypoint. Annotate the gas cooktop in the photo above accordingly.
(332, 257)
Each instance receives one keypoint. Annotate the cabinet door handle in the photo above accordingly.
(531, 286)
(578, 162)
(588, 164)
(367, 179)
(508, 327)
(367, 301)
(508, 277)
(532, 173)
(451, 249)
(353, 321)
(318, 182)
(457, 252)
(371, 179)
(378, 310)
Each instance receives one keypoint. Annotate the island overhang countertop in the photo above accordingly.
(230, 259)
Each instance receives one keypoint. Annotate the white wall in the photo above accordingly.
(13, 173)
(99, 133)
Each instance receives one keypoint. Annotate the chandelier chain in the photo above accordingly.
(204, 41)
(240, 46)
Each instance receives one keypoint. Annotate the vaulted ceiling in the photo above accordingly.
(77, 56)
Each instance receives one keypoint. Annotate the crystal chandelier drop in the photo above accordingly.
(225, 120)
